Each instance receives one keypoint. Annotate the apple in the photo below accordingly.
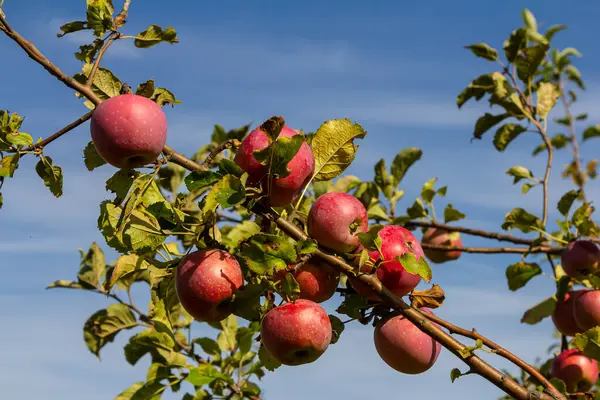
(403, 346)
(395, 241)
(205, 283)
(128, 130)
(441, 237)
(317, 280)
(282, 191)
(334, 220)
(579, 372)
(296, 333)
(580, 257)
(586, 309)
(563, 315)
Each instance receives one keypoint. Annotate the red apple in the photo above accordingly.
(441, 237)
(579, 372)
(317, 280)
(296, 333)
(580, 257)
(283, 191)
(395, 241)
(404, 347)
(334, 220)
(586, 309)
(128, 130)
(205, 283)
(563, 315)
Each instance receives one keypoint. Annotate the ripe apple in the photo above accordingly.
(404, 347)
(586, 309)
(296, 333)
(579, 372)
(395, 241)
(441, 237)
(317, 280)
(580, 257)
(282, 191)
(334, 220)
(563, 315)
(205, 283)
(128, 130)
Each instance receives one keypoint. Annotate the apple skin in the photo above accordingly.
(283, 191)
(586, 309)
(330, 219)
(563, 315)
(395, 241)
(296, 333)
(128, 130)
(318, 281)
(205, 283)
(579, 372)
(580, 257)
(441, 237)
(404, 347)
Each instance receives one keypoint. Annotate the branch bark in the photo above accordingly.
(496, 250)
(61, 132)
(469, 231)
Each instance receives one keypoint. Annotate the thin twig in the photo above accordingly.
(111, 38)
(121, 18)
(226, 145)
(182, 161)
(61, 132)
(496, 250)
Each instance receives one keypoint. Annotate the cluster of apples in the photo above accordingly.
(577, 312)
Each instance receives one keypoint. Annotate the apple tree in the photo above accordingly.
(253, 230)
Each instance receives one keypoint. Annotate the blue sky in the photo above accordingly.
(395, 69)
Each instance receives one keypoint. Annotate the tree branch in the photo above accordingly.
(496, 250)
(61, 132)
(112, 37)
(228, 144)
(469, 231)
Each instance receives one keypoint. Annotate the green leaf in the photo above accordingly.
(205, 374)
(108, 223)
(8, 165)
(547, 96)
(91, 158)
(229, 167)
(520, 273)
(143, 233)
(526, 187)
(519, 172)
(155, 35)
(558, 141)
(307, 246)
(417, 210)
(529, 19)
(455, 374)
(277, 155)
(591, 132)
(51, 175)
(483, 50)
(1, 200)
(88, 52)
(239, 233)
(377, 211)
(126, 266)
(506, 134)
(105, 84)
(589, 342)
(553, 30)
(560, 385)
(403, 161)
(19, 138)
(264, 253)
(65, 284)
(201, 179)
(368, 238)
(427, 192)
(529, 61)
(227, 339)
(209, 346)
(352, 305)
(228, 192)
(92, 267)
(71, 27)
(487, 121)
(540, 311)
(337, 327)
(566, 201)
(246, 302)
(522, 220)
(416, 267)
(267, 360)
(99, 16)
(121, 182)
(516, 41)
(451, 214)
(383, 180)
(102, 326)
(159, 344)
(333, 147)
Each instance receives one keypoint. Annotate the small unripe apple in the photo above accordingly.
(317, 280)
(580, 257)
(441, 237)
(563, 315)
(128, 130)
(334, 220)
(282, 191)
(395, 241)
(586, 309)
(205, 283)
(579, 372)
(296, 333)
(404, 347)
